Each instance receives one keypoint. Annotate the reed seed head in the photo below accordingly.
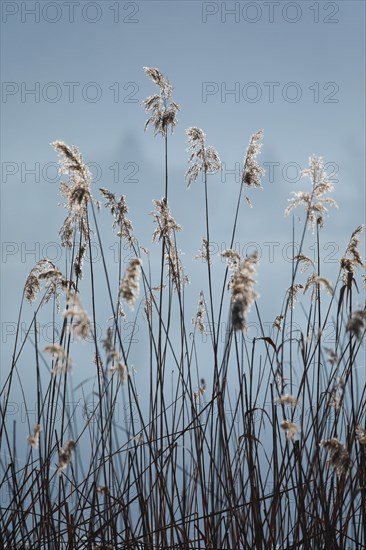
(339, 456)
(252, 172)
(242, 292)
(316, 202)
(163, 110)
(202, 159)
(291, 429)
(130, 284)
(65, 453)
(33, 440)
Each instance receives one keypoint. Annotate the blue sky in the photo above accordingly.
(89, 84)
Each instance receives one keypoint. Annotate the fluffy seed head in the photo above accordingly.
(130, 285)
(242, 292)
(291, 429)
(315, 203)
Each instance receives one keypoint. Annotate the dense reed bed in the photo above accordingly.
(269, 452)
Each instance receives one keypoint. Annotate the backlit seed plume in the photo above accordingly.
(198, 321)
(119, 210)
(204, 254)
(79, 320)
(202, 159)
(304, 261)
(119, 367)
(332, 356)
(166, 224)
(286, 399)
(201, 390)
(163, 110)
(114, 357)
(60, 357)
(242, 293)
(293, 291)
(175, 266)
(33, 440)
(130, 284)
(316, 202)
(291, 429)
(315, 281)
(277, 323)
(352, 257)
(361, 435)
(46, 271)
(79, 261)
(232, 258)
(65, 455)
(357, 323)
(252, 172)
(76, 192)
(339, 457)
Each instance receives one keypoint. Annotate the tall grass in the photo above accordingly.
(267, 453)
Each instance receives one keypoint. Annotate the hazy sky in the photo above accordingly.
(74, 71)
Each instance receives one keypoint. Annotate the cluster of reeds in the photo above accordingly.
(267, 452)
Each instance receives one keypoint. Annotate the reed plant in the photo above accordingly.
(267, 452)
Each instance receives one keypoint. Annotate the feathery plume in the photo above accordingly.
(252, 172)
(204, 253)
(200, 315)
(33, 440)
(339, 456)
(242, 293)
(166, 224)
(277, 323)
(65, 455)
(119, 367)
(352, 257)
(54, 281)
(175, 266)
(332, 356)
(356, 323)
(61, 358)
(164, 111)
(201, 390)
(315, 281)
(202, 159)
(293, 291)
(361, 435)
(304, 261)
(114, 357)
(80, 323)
(286, 399)
(291, 429)
(76, 192)
(315, 202)
(130, 285)
(119, 211)
(232, 259)
(79, 261)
